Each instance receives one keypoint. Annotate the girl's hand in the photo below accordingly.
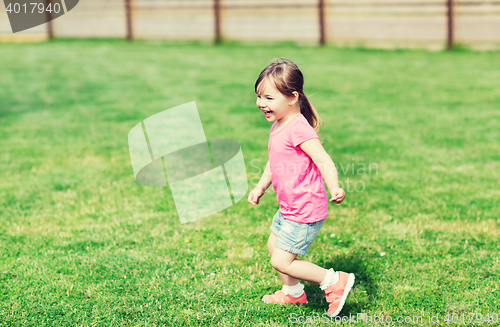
(255, 195)
(338, 195)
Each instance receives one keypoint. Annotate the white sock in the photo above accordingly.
(294, 291)
(331, 278)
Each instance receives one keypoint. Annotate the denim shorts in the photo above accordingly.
(292, 236)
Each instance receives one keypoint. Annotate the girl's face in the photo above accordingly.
(273, 104)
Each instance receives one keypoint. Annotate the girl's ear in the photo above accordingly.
(294, 98)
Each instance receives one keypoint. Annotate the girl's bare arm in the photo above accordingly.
(315, 150)
(261, 186)
(265, 180)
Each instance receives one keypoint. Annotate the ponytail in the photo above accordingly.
(307, 109)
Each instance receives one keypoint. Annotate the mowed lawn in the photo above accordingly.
(415, 136)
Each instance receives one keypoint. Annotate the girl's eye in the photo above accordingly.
(269, 98)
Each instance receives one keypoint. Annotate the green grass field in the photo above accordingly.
(82, 244)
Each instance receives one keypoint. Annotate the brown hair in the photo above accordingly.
(288, 78)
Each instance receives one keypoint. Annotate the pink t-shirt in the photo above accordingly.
(297, 181)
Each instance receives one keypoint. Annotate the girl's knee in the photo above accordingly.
(270, 244)
(270, 248)
(278, 264)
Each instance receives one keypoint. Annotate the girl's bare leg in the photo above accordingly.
(294, 269)
(287, 280)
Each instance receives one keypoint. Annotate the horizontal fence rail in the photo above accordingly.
(432, 24)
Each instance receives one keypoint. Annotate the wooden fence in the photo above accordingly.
(379, 23)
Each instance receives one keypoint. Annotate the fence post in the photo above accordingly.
(218, 38)
(450, 25)
(50, 27)
(128, 17)
(321, 11)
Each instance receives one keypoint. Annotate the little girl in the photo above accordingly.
(296, 168)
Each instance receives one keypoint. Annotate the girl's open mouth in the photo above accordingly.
(268, 112)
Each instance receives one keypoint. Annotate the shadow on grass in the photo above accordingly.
(364, 282)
